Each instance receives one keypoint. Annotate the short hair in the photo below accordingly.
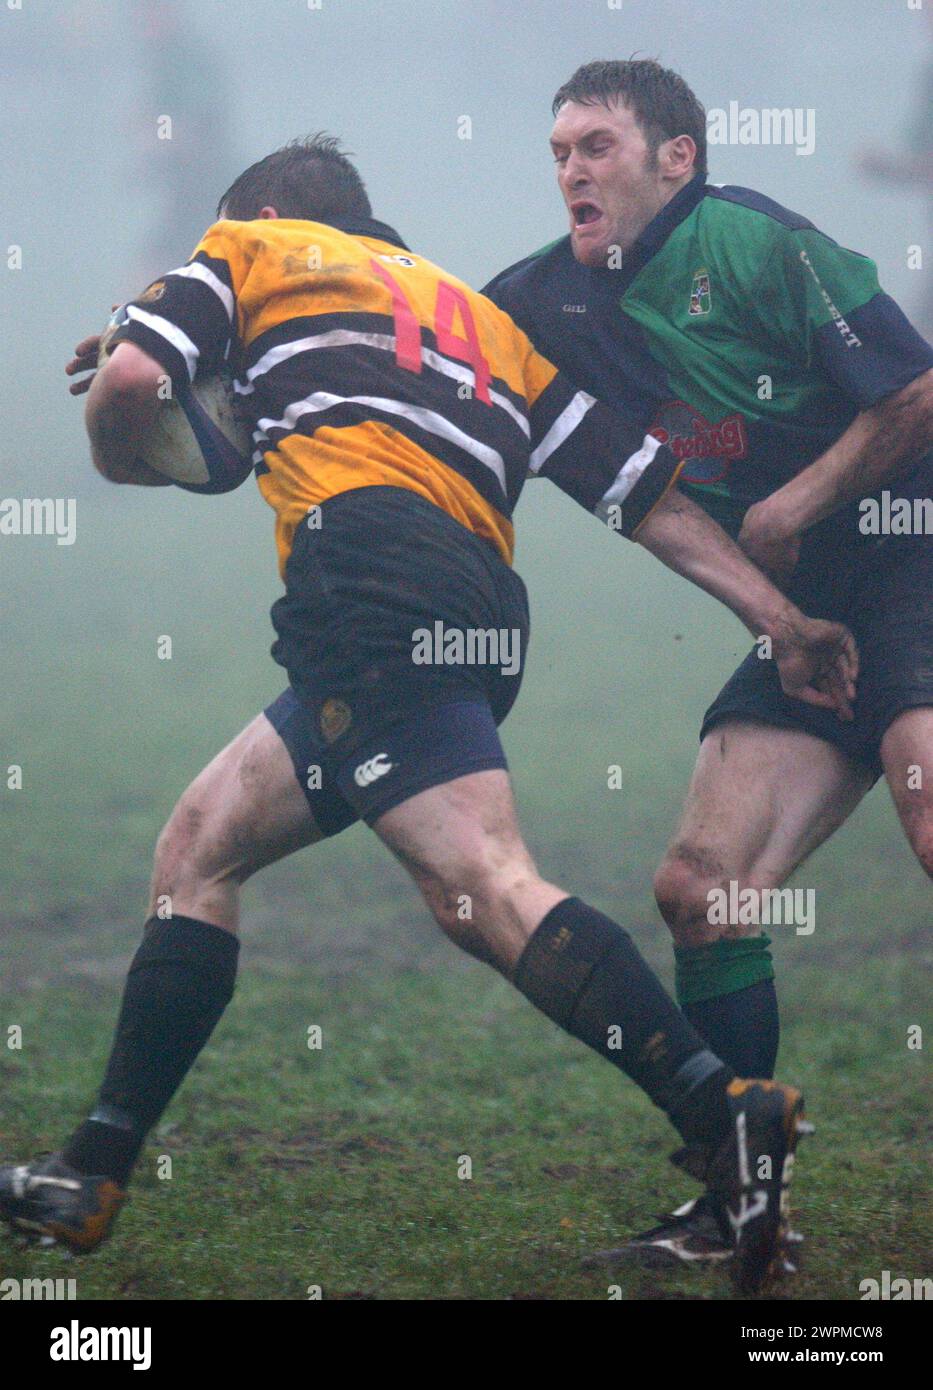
(660, 100)
(311, 178)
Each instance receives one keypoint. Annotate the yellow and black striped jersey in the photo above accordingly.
(361, 363)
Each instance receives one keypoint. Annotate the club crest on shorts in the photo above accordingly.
(335, 718)
(699, 294)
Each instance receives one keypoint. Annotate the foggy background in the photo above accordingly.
(624, 658)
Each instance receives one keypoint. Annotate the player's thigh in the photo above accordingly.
(462, 845)
(907, 757)
(761, 799)
(246, 809)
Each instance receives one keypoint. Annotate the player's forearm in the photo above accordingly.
(120, 408)
(878, 445)
(681, 535)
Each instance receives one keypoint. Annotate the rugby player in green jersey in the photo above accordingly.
(801, 402)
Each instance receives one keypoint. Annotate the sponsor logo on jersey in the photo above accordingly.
(848, 337)
(705, 449)
(313, 260)
(335, 719)
(399, 260)
(372, 769)
(700, 302)
(574, 308)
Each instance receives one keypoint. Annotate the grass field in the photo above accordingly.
(338, 1167)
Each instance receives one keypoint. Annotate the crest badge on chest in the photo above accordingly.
(700, 302)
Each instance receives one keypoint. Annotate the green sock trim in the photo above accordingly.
(722, 967)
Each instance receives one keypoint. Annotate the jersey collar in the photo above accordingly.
(670, 216)
(367, 226)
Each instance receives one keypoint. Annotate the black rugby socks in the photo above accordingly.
(727, 991)
(743, 1028)
(179, 984)
(586, 974)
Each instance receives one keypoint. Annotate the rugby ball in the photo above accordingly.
(200, 438)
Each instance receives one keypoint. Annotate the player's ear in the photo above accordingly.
(677, 156)
(268, 212)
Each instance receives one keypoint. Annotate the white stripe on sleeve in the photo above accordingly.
(197, 271)
(171, 333)
(562, 428)
(627, 476)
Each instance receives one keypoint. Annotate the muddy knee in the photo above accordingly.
(454, 912)
(682, 888)
(192, 853)
(480, 910)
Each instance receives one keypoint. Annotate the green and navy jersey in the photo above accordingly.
(735, 331)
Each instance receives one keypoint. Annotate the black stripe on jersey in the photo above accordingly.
(191, 306)
(308, 326)
(549, 406)
(345, 415)
(220, 268)
(370, 371)
(312, 325)
(195, 308)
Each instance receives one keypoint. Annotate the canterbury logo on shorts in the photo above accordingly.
(373, 767)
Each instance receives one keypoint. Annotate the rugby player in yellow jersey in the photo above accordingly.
(397, 414)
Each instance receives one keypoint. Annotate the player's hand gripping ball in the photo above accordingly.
(200, 438)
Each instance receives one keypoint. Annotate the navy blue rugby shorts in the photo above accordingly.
(404, 637)
(885, 596)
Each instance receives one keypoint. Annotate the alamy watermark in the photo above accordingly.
(37, 1290)
(766, 125)
(895, 1288)
(762, 907)
(468, 646)
(77, 1343)
(885, 515)
(40, 516)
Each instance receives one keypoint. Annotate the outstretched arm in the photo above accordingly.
(603, 460)
(817, 661)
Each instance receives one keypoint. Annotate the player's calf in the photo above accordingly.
(585, 973)
(461, 844)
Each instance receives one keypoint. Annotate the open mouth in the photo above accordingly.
(584, 213)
